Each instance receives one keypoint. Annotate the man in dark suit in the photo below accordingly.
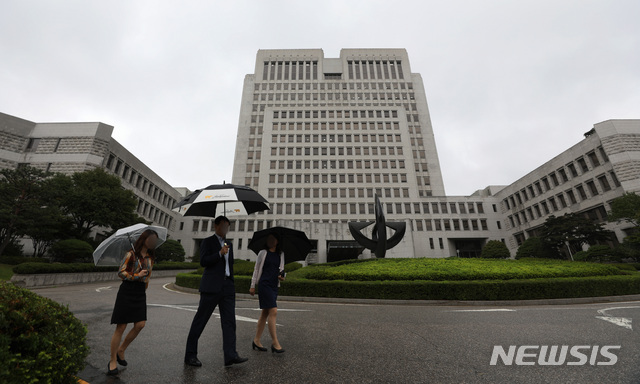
(216, 289)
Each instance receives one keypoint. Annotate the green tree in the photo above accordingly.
(97, 199)
(20, 202)
(626, 208)
(571, 231)
(72, 250)
(171, 250)
(535, 247)
(495, 249)
(52, 223)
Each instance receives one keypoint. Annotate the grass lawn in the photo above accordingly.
(455, 269)
(6, 271)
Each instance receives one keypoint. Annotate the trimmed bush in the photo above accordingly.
(291, 267)
(495, 249)
(522, 289)
(453, 269)
(72, 250)
(40, 268)
(243, 268)
(40, 340)
(170, 250)
(597, 253)
(15, 260)
(532, 247)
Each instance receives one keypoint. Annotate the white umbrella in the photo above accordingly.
(112, 250)
(235, 199)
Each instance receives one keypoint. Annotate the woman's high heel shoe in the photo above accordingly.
(275, 350)
(111, 372)
(122, 362)
(254, 346)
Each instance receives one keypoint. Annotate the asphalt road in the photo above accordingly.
(355, 343)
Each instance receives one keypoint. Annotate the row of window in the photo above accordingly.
(128, 174)
(331, 96)
(290, 70)
(356, 69)
(339, 138)
(153, 213)
(375, 69)
(330, 151)
(363, 208)
(338, 114)
(339, 126)
(387, 85)
(557, 178)
(336, 178)
(416, 225)
(330, 164)
(410, 111)
(562, 200)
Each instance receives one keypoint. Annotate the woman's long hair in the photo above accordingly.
(137, 247)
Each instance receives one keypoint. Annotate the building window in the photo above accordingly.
(604, 183)
(583, 165)
(592, 187)
(32, 145)
(581, 192)
(594, 159)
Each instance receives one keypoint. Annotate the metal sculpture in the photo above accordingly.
(378, 244)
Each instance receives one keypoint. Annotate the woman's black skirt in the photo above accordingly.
(267, 295)
(131, 303)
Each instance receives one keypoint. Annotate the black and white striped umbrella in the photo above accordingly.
(222, 199)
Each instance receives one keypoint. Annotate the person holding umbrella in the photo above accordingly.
(268, 273)
(131, 301)
(216, 289)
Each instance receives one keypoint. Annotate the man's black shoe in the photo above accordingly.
(237, 360)
(193, 361)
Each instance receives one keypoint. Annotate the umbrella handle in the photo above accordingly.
(130, 242)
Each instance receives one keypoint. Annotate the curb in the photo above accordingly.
(337, 300)
(47, 280)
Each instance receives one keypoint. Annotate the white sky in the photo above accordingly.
(510, 84)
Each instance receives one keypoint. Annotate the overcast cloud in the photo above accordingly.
(510, 84)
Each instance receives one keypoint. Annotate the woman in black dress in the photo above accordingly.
(131, 302)
(268, 274)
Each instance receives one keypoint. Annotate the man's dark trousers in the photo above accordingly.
(226, 302)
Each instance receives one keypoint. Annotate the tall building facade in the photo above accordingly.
(80, 146)
(320, 137)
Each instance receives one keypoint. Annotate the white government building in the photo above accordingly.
(320, 137)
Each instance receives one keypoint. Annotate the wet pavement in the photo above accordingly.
(355, 343)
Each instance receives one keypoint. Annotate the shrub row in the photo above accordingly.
(456, 269)
(15, 260)
(40, 340)
(40, 268)
(515, 289)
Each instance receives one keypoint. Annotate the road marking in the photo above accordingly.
(483, 310)
(102, 289)
(279, 310)
(175, 291)
(194, 308)
(624, 322)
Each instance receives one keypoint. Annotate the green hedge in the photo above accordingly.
(40, 268)
(455, 269)
(15, 260)
(521, 289)
(40, 340)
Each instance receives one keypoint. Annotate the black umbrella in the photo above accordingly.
(235, 199)
(295, 244)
